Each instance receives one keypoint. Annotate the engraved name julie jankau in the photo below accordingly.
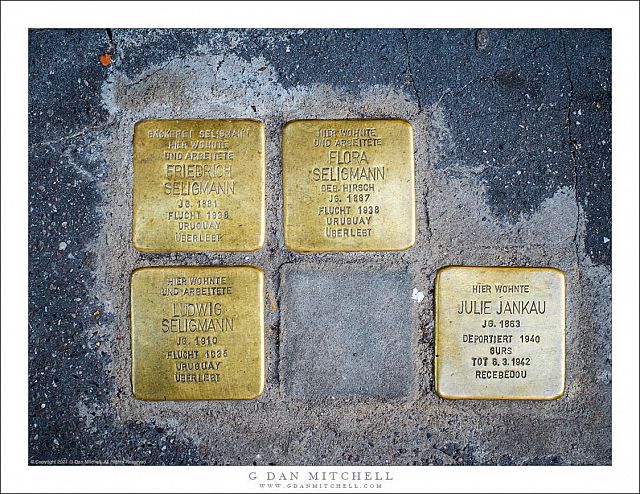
(517, 307)
(500, 332)
(500, 308)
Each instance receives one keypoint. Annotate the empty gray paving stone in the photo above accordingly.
(346, 331)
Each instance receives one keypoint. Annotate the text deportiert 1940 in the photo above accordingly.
(500, 333)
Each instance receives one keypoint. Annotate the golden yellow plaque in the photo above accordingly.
(198, 185)
(348, 185)
(197, 333)
(500, 333)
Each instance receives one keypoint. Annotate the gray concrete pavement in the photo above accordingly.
(513, 167)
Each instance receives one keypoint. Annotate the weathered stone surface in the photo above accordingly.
(346, 332)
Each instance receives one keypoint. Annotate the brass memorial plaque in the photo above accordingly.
(198, 185)
(197, 333)
(348, 185)
(500, 333)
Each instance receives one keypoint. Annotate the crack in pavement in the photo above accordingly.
(410, 70)
(572, 149)
(93, 127)
(458, 92)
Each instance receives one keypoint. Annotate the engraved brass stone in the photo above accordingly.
(348, 185)
(198, 185)
(500, 333)
(197, 333)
